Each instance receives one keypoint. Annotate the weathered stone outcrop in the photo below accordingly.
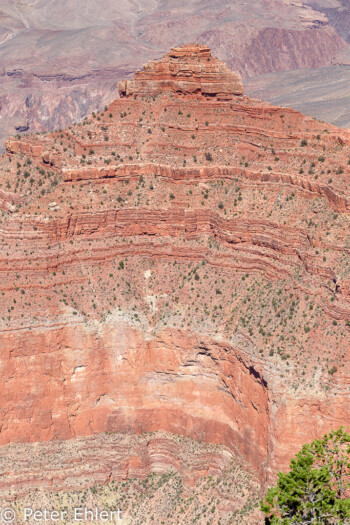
(140, 474)
(177, 264)
(187, 70)
(79, 463)
(88, 381)
(205, 173)
(128, 384)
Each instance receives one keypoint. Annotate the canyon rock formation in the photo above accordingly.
(61, 60)
(151, 476)
(186, 70)
(177, 262)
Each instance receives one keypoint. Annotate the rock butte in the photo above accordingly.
(50, 94)
(187, 70)
(177, 262)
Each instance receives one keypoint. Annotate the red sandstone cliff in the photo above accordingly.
(178, 262)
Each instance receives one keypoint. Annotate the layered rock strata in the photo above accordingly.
(187, 70)
(155, 474)
(178, 262)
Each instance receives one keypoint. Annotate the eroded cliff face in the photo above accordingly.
(178, 262)
(186, 70)
(112, 379)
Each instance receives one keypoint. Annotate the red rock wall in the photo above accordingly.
(110, 378)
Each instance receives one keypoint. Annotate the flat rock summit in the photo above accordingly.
(177, 263)
(186, 70)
